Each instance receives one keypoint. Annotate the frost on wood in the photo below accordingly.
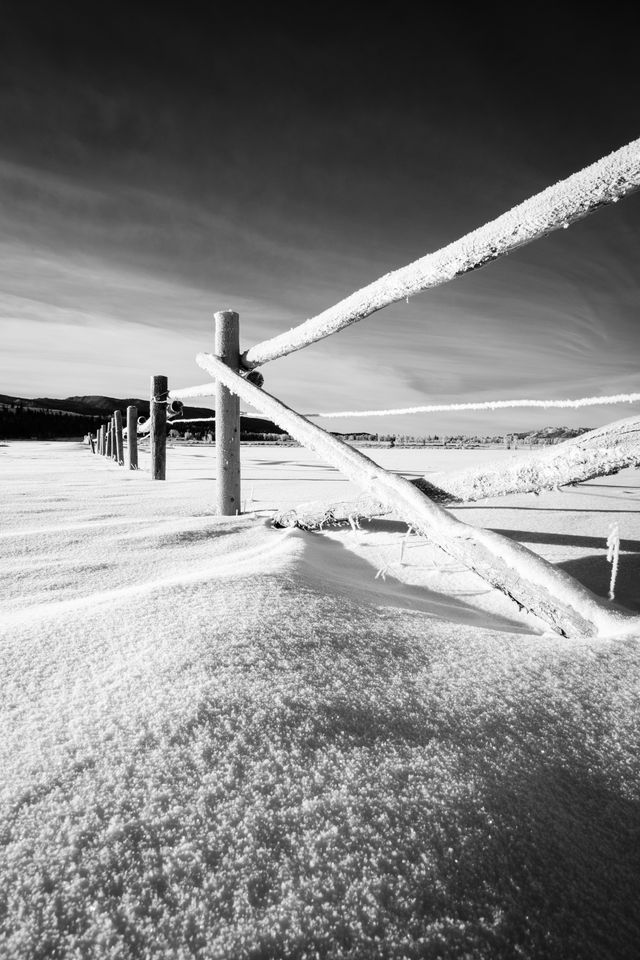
(547, 592)
(570, 200)
(597, 453)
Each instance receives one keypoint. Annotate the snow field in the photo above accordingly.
(276, 755)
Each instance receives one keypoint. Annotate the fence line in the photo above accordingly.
(109, 439)
(534, 584)
(564, 203)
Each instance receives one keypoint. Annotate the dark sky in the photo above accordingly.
(159, 163)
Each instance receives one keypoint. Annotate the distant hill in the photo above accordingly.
(549, 434)
(558, 433)
(93, 405)
(49, 418)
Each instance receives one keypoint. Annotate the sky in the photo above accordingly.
(159, 163)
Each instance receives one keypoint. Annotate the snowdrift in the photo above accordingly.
(224, 740)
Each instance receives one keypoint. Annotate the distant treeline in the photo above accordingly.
(17, 423)
(45, 418)
(208, 435)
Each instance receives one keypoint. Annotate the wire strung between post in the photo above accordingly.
(486, 405)
(191, 420)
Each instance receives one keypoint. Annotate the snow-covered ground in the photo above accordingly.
(224, 740)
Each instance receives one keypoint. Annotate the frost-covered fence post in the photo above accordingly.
(92, 442)
(117, 417)
(227, 348)
(114, 445)
(158, 432)
(132, 438)
(108, 445)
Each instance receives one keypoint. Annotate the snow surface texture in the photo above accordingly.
(550, 594)
(238, 744)
(597, 453)
(570, 200)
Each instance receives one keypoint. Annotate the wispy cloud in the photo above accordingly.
(132, 210)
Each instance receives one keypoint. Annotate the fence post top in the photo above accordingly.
(226, 315)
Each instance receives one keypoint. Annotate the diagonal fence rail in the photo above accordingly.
(544, 590)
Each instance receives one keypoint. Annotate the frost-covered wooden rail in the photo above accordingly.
(534, 584)
(597, 453)
(604, 182)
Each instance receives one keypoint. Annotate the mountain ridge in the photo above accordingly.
(20, 416)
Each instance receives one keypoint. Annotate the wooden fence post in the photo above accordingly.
(93, 443)
(132, 438)
(114, 449)
(227, 348)
(108, 451)
(117, 417)
(158, 435)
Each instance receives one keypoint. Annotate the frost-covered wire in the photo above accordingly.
(254, 416)
(560, 205)
(613, 554)
(191, 420)
(485, 405)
